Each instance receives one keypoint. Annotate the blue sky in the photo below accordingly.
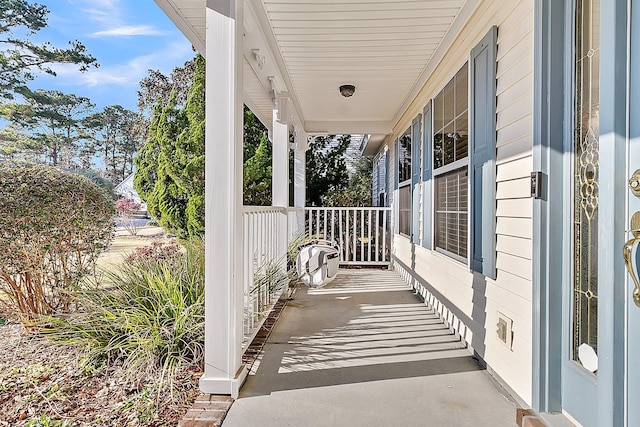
(127, 37)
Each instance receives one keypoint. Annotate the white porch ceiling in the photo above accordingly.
(382, 47)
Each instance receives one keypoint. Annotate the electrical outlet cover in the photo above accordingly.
(504, 329)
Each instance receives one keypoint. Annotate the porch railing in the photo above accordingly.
(361, 233)
(265, 234)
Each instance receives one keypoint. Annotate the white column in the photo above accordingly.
(223, 369)
(280, 174)
(300, 178)
(280, 179)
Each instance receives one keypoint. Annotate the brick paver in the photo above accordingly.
(209, 410)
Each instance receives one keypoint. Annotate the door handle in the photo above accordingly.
(627, 252)
(634, 183)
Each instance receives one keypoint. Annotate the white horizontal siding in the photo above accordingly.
(516, 169)
(518, 246)
(514, 120)
(515, 208)
(515, 129)
(516, 227)
(516, 149)
(512, 113)
(514, 189)
(515, 265)
(468, 299)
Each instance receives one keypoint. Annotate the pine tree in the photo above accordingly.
(20, 57)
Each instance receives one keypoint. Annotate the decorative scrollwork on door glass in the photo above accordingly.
(586, 166)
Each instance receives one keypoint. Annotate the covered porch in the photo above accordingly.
(359, 352)
(287, 60)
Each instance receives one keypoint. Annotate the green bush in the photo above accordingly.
(101, 182)
(147, 315)
(53, 225)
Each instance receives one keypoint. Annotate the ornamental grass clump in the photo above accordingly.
(53, 226)
(147, 315)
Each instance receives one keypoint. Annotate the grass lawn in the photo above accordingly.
(123, 244)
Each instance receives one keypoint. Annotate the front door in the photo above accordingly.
(601, 346)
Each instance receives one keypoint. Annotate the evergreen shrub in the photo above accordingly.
(53, 226)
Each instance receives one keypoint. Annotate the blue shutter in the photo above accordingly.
(375, 185)
(482, 110)
(396, 179)
(387, 185)
(427, 151)
(416, 146)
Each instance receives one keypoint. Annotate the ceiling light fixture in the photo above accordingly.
(347, 90)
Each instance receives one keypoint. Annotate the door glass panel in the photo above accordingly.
(587, 106)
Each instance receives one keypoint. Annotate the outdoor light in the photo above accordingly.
(347, 90)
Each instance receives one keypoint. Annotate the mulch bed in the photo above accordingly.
(44, 384)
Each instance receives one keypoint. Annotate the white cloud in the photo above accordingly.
(128, 31)
(99, 15)
(105, 3)
(106, 13)
(102, 4)
(129, 73)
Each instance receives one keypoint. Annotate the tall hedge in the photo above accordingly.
(170, 166)
(53, 226)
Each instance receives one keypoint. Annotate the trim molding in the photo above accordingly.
(548, 114)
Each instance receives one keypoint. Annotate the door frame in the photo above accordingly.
(553, 75)
(633, 314)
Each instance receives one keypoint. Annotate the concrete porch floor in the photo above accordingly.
(366, 351)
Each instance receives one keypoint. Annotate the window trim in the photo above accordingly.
(403, 187)
(456, 164)
(451, 166)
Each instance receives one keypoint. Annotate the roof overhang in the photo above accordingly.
(307, 49)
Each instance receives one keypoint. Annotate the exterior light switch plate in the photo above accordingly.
(504, 329)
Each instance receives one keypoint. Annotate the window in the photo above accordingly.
(404, 210)
(451, 198)
(404, 183)
(451, 166)
(459, 172)
(404, 157)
